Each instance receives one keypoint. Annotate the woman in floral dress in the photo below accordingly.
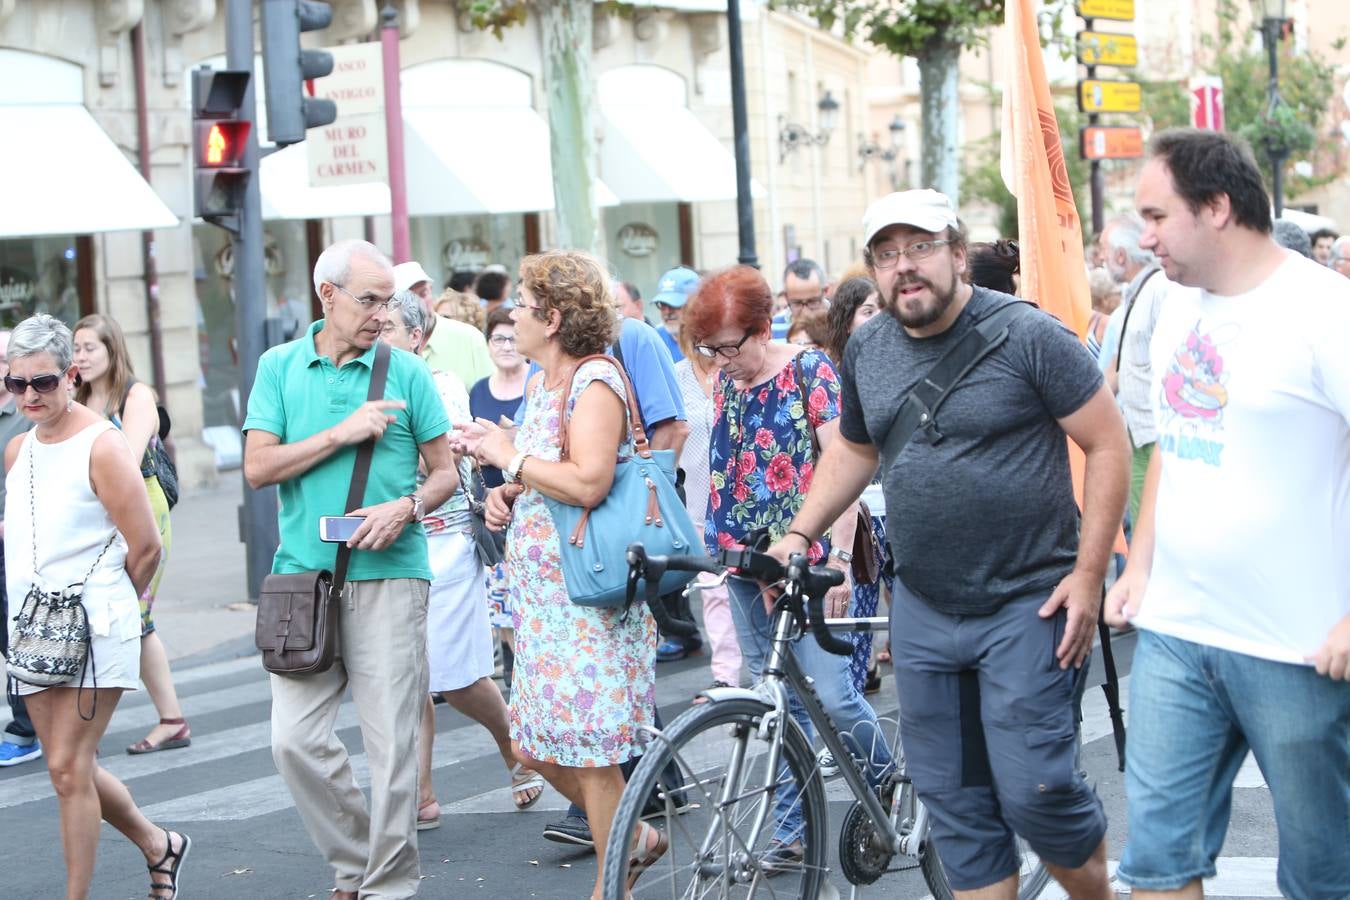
(584, 682)
(766, 402)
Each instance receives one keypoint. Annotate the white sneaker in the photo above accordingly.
(828, 767)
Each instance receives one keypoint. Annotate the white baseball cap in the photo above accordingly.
(926, 209)
(409, 273)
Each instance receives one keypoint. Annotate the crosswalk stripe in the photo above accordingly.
(1238, 876)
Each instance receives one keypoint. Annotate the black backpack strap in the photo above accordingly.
(920, 407)
(1125, 324)
(361, 470)
(1111, 688)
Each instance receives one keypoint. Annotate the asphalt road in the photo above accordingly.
(249, 843)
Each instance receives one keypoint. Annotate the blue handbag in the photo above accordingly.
(642, 505)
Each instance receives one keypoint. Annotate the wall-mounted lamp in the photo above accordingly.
(869, 150)
(791, 135)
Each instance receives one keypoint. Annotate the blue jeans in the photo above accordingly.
(1194, 712)
(20, 731)
(854, 717)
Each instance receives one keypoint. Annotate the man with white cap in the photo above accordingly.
(451, 346)
(997, 585)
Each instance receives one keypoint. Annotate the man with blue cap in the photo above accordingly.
(672, 293)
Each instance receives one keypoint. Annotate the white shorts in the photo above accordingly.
(459, 633)
(113, 663)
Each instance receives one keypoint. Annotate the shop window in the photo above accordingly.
(50, 274)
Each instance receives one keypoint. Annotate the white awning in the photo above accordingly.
(287, 194)
(64, 175)
(465, 160)
(662, 153)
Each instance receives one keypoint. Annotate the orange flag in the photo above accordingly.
(1049, 234)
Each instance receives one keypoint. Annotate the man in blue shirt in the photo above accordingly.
(672, 293)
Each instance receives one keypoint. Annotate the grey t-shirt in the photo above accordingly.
(986, 514)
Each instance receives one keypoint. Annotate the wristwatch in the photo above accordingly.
(417, 510)
(512, 473)
(842, 555)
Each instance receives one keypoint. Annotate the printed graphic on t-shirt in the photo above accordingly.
(1195, 395)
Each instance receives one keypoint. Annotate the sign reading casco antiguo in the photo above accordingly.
(638, 239)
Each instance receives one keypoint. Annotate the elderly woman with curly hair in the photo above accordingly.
(584, 681)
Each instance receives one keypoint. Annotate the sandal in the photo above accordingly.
(699, 698)
(173, 871)
(425, 822)
(523, 781)
(645, 853)
(883, 657)
(180, 738)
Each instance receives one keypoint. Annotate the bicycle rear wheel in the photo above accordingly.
(718, 815)
(1032, 874)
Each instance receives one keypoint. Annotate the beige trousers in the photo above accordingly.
(382, 656)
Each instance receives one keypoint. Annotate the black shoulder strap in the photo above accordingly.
(1130, 309)
(920, 408)
(361, 470)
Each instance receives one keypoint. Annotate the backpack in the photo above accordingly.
(157, 461)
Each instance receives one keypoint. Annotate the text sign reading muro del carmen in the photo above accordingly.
(1117, 10)
(352, 150)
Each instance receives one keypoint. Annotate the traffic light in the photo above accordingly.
(286, 68)
(220, 130)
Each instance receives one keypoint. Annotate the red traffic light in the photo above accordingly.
(220, 143)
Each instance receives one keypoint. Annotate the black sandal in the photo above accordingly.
(172, 871)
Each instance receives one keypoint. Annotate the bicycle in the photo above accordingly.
(736, 751)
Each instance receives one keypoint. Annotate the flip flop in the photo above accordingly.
(426, 823)
(522, 784)
(173, 871)
(645, 854)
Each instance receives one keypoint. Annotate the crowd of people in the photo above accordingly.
(1208, 398)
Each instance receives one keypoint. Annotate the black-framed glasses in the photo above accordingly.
(889, 257)
(730, 351)
(809, 303)
(368, 302)
(43, 384)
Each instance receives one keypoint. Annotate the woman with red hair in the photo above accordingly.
(767, 399)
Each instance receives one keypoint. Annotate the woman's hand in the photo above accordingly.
(497, 506)
(486, 442)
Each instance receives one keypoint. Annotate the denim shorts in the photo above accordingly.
(1194, 712)
(988, 723)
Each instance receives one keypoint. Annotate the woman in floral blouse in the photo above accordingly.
(765, 402)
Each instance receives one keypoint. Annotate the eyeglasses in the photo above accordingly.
(43, 384)
(886, 259)
(730, 351)
(501, 340)
(368, 302)
(812, 303)
(391, 326)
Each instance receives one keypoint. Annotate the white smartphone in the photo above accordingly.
(338, 529)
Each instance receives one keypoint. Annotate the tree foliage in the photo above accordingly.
(905, 27)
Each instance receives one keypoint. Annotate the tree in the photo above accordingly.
(565, 29)
(1307, 85)
(933, 33)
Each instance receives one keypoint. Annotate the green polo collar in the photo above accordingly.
(313, 356)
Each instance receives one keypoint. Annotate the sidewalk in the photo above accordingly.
(202, 609)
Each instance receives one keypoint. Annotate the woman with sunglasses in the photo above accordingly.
(96, 530)
(766, 401)
(107, 385)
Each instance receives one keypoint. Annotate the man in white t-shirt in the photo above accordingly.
(1239, 574)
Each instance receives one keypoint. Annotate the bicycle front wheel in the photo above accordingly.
(715, 807)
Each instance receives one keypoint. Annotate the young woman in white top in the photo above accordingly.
(77, 507)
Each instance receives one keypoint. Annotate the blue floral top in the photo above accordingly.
(761, 454)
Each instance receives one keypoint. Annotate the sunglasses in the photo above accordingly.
(43, 384)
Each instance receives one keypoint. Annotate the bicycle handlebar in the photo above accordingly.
(801, 579)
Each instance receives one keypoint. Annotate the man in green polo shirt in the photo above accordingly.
(307, 413)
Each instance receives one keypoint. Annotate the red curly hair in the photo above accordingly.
(737, 296)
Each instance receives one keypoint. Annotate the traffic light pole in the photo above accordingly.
(258, 516)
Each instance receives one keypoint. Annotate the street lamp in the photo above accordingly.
(792, 135)
(1272, 30)
(869, 150)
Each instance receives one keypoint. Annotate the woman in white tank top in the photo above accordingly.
(76, 506)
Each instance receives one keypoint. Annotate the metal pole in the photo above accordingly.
(258, 516)
(151, 271)
(745, 209)
(1271, 32)
(393, 129)
(1097, 181)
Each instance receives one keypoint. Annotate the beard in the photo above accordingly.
(926, 313)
